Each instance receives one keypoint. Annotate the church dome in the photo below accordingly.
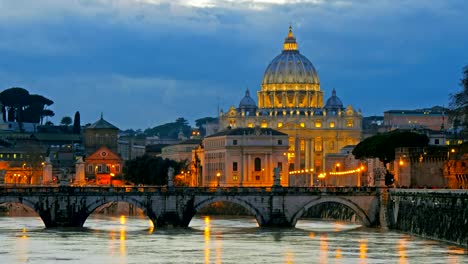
(247, 102)
(334, 103)
(290, 67)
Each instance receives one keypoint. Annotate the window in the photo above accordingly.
(234, 166)
(234, 177)
(107, 168)
(258, 164)
(436, 141)
(250, 125)
(332, 124)
(117, 168)
(90, 168)
(280, 124)
(280, 142)
(318, 123)
(234, 142)
(99, 168)
(349, 123)
(302, 124)
(264, 124)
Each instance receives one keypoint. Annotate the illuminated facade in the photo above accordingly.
(243, 157)
(104, 166)
(291, 101)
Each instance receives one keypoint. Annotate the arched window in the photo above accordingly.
(258, 164)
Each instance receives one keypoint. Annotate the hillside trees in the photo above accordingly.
(170, 130)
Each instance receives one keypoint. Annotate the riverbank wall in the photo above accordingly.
(434, 214)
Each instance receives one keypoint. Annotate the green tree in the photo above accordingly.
(150, 170)
(459, 104)
(76, 123)
(15, 99)
(20, 106)
(382, 146)
(66, 121)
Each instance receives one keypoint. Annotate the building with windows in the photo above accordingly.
(434, 118)
(103, 164)
(242, 157)
(291, 101)
(103, 167)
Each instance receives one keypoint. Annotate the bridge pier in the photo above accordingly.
(61, 213)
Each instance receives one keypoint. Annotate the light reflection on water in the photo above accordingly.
(214, 240)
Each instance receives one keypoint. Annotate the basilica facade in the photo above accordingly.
(291, 101)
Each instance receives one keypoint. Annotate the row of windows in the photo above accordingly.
(217, 155)
(16, 156)
(257, 165)
(102, 168)
(214, 143)
(235, 142)
(317, 124)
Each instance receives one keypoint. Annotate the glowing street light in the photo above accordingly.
(218, 176)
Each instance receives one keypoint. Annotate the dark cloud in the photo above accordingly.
(145, 64)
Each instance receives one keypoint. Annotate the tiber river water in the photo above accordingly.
(212, 239)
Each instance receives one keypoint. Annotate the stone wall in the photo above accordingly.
(434, 214)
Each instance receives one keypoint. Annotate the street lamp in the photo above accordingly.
(321, 176)
(218, 176)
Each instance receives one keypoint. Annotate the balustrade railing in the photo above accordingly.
(187, 190)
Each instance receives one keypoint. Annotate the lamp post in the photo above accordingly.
(321, 176)
(218, 176)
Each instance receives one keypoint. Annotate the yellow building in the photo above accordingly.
(291, 101)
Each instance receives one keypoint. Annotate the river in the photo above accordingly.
(212, 239)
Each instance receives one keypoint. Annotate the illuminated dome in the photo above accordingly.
(290, 67)
(334, 103)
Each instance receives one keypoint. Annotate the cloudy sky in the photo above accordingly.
(146, 62)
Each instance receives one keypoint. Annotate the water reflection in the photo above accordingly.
(323, 255)
(363, 251)
(215, 240)
(207, 239)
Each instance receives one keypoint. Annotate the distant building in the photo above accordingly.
(103, 164)
(418, 168)
(434, 118)
(242, 157)
(342, 169)
(181, 151)
(101, 133)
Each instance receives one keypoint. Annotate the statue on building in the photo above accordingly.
(170, 177)
(276, 177)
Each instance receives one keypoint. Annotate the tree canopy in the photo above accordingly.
(20, 106)
(150, 170)
(170, 130)
(66, 121)
(382, 146)
(459, 103)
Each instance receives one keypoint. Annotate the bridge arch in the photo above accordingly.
(252, 209)
(351, 205)
(90, 208)
(20, 200)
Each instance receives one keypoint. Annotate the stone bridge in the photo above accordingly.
(69, 206)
